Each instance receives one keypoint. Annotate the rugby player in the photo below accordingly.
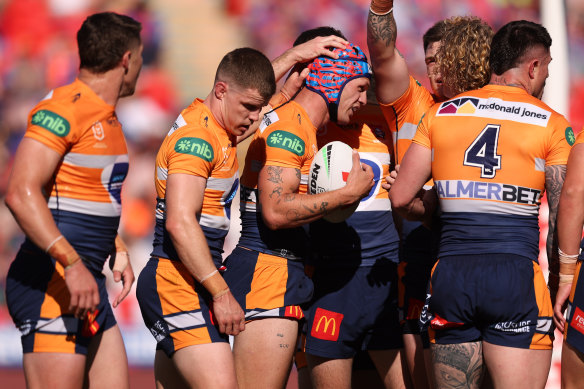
(491, 153)
(571, 281)
(266, 270)
(403, 101)
(185, 302)
(64, 192)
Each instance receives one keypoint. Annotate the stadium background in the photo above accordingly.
(184, 41)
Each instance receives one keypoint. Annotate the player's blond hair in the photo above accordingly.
(463, 56)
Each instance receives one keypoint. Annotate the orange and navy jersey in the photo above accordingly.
(369, 233)
(490, 148)
(404, 114)
(197, 145)
(286, 138)
(85, 195)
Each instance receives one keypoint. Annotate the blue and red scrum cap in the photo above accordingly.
(328, 76)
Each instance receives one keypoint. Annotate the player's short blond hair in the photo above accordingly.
(463, 56)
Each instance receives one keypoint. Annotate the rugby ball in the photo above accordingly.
(329, 171)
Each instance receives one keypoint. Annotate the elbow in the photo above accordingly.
(13, 199)
(272, 220)
(399, 203)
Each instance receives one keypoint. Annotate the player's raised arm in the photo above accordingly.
(389, 66)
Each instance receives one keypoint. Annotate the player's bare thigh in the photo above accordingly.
(207, 365)
(54, 370)
(263, 352)
(516, 367)
(107, 363)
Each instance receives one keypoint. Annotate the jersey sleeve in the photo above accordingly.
(580, 137)
(53, 125)
(561, 142)
(191, 152)
(286, 145)
(414, 98)
(422, 136)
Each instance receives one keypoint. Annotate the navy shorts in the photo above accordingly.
(354, 309)
(38, 301)
(175, 307)
(574, 330)
(499, 298)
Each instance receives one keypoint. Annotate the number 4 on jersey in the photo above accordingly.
(483, 152)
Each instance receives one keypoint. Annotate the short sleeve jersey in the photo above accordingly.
(286, 138)
(197, 145)
(85, 195)
(404, 114)
(369, 233)
(490, 148)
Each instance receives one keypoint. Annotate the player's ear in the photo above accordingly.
(220, 89)
(126, 61)
(534, 66)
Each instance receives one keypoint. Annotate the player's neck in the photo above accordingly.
(314, 106)
(106, 85)
(512, 77)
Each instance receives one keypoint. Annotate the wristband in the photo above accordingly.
(208, 276)
(69, 266)
(381, 7)
(53, 243)
(567, 265)
(63, 252)
(215, 284)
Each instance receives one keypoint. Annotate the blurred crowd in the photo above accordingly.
(38, 53)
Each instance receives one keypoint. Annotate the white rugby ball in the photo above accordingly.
(329, 171)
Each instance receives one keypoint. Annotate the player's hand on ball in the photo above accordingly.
(360, 180)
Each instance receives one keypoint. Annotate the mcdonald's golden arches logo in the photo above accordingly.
(326, 324)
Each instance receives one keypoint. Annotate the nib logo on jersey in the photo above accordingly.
(51, 121)
(495, 108)
(195, 146)
(287, 141)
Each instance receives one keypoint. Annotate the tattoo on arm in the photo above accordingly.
(382, 28)
(275, 174)
(458, 365)
(554, 180)
(276, 191)
(298, 175)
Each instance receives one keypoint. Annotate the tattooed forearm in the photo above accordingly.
(554, 180)
(324, 206)
(275, 174)
(458, 365)
(381, 28)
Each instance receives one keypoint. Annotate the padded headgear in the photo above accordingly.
(328, 76)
